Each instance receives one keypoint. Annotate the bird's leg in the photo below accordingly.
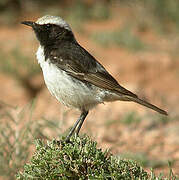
(79, 120)
(85, 113)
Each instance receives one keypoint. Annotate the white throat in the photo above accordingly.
(40, 56)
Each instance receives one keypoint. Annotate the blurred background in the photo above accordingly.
(136, 41)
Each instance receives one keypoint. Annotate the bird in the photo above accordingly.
(72, 74)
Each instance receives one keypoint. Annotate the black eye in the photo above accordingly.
(48, 25)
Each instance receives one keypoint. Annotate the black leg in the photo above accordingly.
(79, 120)
(85, 113)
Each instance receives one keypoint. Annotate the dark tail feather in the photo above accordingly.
(145, 103)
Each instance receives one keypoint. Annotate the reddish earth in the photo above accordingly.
(151, 74)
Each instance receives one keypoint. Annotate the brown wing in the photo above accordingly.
(78, 63)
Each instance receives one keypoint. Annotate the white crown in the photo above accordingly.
(53, 20)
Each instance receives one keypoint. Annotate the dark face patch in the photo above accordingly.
(51, 34)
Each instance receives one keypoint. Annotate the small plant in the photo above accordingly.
(17, 133)
(161, 15)
(81, 11)
(81, 159)
(131, 118)
(166, 11)
(124, 38)
(144, 161)
(21, 68)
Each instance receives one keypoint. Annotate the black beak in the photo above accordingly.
(28, 23)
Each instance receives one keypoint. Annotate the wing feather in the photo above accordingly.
(78, 63)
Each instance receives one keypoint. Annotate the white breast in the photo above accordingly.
(66, 89)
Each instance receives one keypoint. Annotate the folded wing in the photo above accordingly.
(78, 63)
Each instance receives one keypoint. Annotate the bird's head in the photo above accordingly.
(51, 30)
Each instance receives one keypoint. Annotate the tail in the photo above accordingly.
(145, 103)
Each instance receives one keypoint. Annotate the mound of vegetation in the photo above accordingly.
(79, 159)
